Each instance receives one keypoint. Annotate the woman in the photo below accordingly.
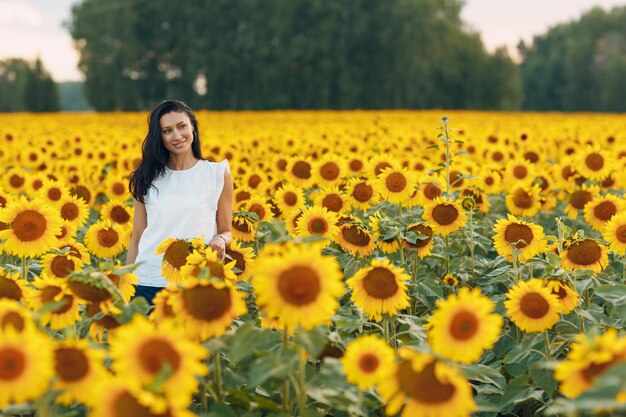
(177, 194)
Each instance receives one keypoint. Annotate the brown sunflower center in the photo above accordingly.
(88, 292)
(206, 302)
(49, 293)
(81, 191)
(605, 210)
(61, 266)
(299, 285)
(329, 171)
(258, 209)
(69, 211)
(318, 226)
(520, 172)
(119, 215)
(9, 289)
(520, 233)
(369, 363)
(29, 225)
(522, 199)
(14, 320)
(3, 202)
(580, 198)
(559, 291)
(396, 182)
(37, 184)
(118, 188)
(595, 369)
(176, 254)
(242, 226)
(464, 325)
(290, 198)
(424, 386)
(534, 305)
(594, 161)
(356, 165)
(363, 192)
(71, 364)
(126, 405)
(380, 283)
(155, 353)
(216, 269)
(302, 169)
(12, 363)
(242, 196)
(584, 252)
(431, 191)
(107, 237)
(16, 181)
(333, 202)
(421, 229)
(380, 167)
(254, 181)
(356, 236)
(531, 156)
(445, 214)
(497, 156)
(620, 233)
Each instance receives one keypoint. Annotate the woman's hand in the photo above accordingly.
(218, 244)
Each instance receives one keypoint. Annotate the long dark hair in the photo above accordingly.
(154, 156)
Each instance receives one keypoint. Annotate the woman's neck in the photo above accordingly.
(180, 162)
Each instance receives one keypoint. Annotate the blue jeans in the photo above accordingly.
(147, 292)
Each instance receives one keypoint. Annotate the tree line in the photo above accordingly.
(317, 54)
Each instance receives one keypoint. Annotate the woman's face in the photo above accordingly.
(176, 132)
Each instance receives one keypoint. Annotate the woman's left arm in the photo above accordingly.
(224, 216)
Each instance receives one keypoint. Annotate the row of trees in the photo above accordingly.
(260, 54)
(26, 86)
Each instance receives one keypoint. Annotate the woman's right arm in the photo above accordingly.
(139, 225)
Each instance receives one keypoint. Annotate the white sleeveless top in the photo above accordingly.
(184, 207)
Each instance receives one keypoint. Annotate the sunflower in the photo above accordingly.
(78, 370)
(579, 198)
(299, 171)
(116, 187)
(451, 280)
(55, 290)
(15, 317)
(477, 197)
(14, 180)
(380, 289)
(243, 229)
(424, 242)
(208, 307)
(175, 253)
(588, 359)
(444, 216)
(317, 221)
(105, 239)
(395, 185)
(361, 194)
(584, 254)
(519, 169)
(298, 285)
(289, 197)
(100, 326)
(463, 326)
(61, 265)
(490, 180)
(367, 361)
(528, 238)
(77, 250)
(356, 165)
(73, 210)
(332, 199)
(32, 227)
(140, 350)
(355, 239)
(243, 257)
(599, 211)
(34, 182)
(67, 234)
(424, 387)
(379, 162)
(614, 232)
(12, 287)
(568, 297)
(162, 304)
(124, 281)
(532, 307)
(26, 366)
(429, 189)
(328, 170)
(523, 199)
(116, 398)
(257, 204)
(117, 212)
(595, 163)
(5, 197)
(387, 246)
(205, 258)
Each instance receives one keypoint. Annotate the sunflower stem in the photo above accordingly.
(447, 242)
(204, 404)
(471, 227)
(400, 211)
(548, 345)
(286, 404)
(218, 376)
(448, 162)
(386, 329)
(24, 268)
(302, 396)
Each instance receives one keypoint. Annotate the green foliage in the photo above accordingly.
(26, 86)
(297, 54)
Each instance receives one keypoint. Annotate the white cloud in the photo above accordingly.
(19, 12)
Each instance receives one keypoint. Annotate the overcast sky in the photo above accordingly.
(34, 27)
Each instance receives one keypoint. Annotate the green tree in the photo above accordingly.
(26, 87)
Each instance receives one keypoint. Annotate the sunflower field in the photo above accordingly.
(383, 264)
